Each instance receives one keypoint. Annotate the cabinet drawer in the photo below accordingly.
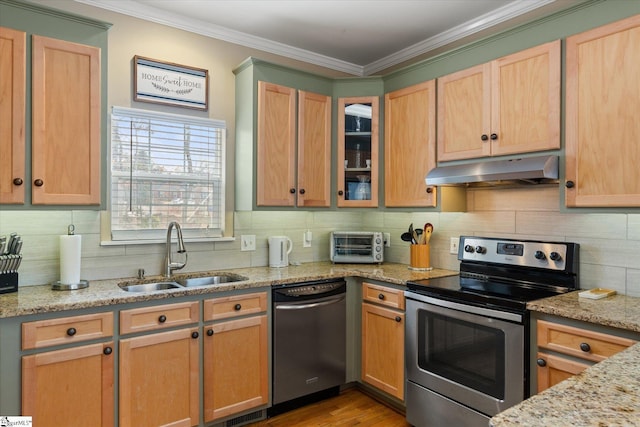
(390, 297)
(235, 305)
(44, 333)
(158, 317)
(553, 369)
(594, 346)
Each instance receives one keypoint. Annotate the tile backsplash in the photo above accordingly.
(609, 242)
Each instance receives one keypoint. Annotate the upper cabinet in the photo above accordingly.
(409, 145)
(277, 183)
(602, 126)
(66, 111)
(12, 112)
(358, 151)
(508, 106)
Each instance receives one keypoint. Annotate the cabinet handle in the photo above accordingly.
(195, 335)
(38, 182)
(302, 191)
(398, 318)
(429, 190)
(162, 318)
(210, 332)
(380, 296)
(17, 181)
(292, 190)
(71, 331)
(340, 192)
(569, 184)
(107, 350)
(541, 362)
(484, 137)
(585, 347)
(237, 307)
(494, 136)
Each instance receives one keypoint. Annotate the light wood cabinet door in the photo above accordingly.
(159, 379)
(553, 369)
(602, 126)
(410, 145)
(71, 387)
(276, 150)
(314, 150)
(508, 106)
(383, 349)
(12, 112)
(236, 376)
(65, 123)
(358, 141)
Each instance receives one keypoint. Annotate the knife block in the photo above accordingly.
(420, 257)
(8, 282)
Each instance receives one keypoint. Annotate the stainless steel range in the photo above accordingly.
(467, 336)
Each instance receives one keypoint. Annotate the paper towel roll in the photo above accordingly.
(70, 249)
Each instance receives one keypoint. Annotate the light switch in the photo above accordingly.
(248, 242)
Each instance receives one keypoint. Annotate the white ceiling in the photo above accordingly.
(358, 37)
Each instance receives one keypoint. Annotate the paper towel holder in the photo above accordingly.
(58, 285)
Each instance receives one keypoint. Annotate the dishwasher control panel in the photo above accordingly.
(320, 288)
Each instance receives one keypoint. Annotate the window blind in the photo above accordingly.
(166, 167)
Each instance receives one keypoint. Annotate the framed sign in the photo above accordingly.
(170, 84)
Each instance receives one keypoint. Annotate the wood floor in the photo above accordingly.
(350, 408)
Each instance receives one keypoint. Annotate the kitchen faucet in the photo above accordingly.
(169, 265)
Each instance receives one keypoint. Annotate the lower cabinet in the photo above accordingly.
(159, 372)
(72, 386)
(236, 376)
(383, 321)
(565, 351)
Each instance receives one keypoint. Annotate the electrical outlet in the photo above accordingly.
(387, 239)
(307, 236)
(453, 246)
(248, 242)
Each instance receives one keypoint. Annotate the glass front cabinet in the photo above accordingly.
(358, 151)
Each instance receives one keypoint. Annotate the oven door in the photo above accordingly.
(465, 353)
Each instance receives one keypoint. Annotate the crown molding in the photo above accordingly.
(147, 13)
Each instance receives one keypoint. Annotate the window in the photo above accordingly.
(166, 167)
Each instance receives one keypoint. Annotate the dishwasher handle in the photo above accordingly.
(310, 304)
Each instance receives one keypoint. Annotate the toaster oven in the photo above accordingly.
(366, 247)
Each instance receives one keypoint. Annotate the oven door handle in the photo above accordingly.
(308, 305)
(466, 308)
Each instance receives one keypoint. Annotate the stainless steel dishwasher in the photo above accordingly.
(309, 338)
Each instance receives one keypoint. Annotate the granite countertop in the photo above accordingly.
(606, 394)
(42, 299)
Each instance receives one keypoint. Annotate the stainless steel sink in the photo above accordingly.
(150, 287)
(211, 280)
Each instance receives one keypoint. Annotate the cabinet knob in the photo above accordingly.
(292, 190)
(17, 181)
(541, 362)
(194, 335)
(340, 192)
(162, 318)
(302, 191)
(569, 184)
(210, 332)
(429, 190)
(107, 350)
(494, 136)
(380, 296)
(71, 331)
(237, 307)
(398, 319)
(38, 182)
(484, 137)
(585, 347)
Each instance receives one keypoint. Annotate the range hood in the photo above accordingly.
(526, 170)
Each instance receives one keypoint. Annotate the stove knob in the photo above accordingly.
(539, 255)
(480, 249)
(555, 256)
(468, 248)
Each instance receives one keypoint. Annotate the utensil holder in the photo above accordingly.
(8, 282)
(420, 257)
